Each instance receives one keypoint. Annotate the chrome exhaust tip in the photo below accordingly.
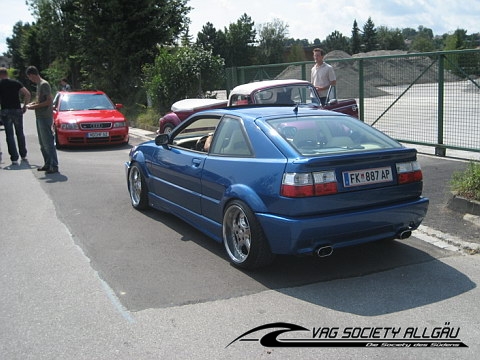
(324, 251)
(405, 234)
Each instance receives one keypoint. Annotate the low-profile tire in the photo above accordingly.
(137, 188)
(243, 237)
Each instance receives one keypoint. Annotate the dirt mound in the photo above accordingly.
(337, 54)
(379, 53)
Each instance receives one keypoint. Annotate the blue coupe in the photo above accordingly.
(280, 180)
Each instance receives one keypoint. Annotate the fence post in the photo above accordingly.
(361, 91)
(242, 75)
(440, 150)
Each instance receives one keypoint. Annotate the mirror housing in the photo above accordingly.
(161, 139)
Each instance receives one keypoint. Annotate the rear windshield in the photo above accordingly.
(314, 135)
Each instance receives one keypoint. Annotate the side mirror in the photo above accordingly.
(119, 106)
(161, 139)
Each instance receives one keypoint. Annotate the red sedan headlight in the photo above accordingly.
(69, 126)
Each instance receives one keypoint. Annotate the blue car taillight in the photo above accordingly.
(409, 172)
(309, 184)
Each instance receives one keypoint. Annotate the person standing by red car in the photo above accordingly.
(322, 75)
(43, 107)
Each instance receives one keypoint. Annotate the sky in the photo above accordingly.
(306, 19)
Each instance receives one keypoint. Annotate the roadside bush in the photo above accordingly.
(467, 183)
(181, 73)
(147, 119)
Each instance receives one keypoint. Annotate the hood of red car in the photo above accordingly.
(89, 116)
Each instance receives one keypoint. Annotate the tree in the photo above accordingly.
(180, 73)
(460, 64)
(390, 39)
(296, 53)
(186, 38)
(369, 36)
(271, 45)
(426, 32)
(422, 43)
(19, 45)
(120, 46)
(421, 40)
(300, 42)
(102, 42)
(356, 39)
(207, 38)
(336, 41)
(239, 42)
(409, 33)
(456, 41)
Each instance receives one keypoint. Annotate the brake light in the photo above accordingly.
(309, 184)
(409, 172)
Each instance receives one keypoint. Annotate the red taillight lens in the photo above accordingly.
(297, 191)
(325, 189)
(409, 172)
(325, 182)
(309, 184)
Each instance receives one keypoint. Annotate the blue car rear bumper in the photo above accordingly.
(307, 234)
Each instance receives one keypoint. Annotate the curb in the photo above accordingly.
(143, 134)
(460, 204)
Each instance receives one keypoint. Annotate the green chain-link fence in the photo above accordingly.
(428, 99)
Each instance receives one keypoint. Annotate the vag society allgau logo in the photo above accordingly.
(277, 335)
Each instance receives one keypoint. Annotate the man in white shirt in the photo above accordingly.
(322, 75)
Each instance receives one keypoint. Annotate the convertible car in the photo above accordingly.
(273, 92)
(280, 180)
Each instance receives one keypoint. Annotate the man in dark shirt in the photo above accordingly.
(12, 114)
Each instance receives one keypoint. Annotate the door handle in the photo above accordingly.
(196, 162)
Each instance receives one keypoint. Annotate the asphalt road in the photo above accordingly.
(84, 275)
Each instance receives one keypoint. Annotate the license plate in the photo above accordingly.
(367, 176)
(98, 134)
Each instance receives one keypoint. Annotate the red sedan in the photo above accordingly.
(88, 118)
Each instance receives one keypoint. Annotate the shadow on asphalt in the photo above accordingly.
(404, 288)
(311, 279)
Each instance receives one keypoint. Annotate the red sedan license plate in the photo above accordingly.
(98, 134)
(367, 176)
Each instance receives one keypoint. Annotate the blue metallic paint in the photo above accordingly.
(198, 191)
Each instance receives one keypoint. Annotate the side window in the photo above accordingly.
(264, 97)
(195, 134)
(238, 99)
(230, 139)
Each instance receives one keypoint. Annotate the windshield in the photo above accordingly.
(288, 95)
(72, 102)
(314, 135)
